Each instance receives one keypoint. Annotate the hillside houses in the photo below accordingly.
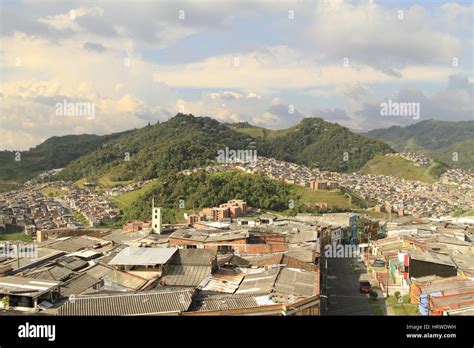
(390, 194)
(417, 159)
(30, 209)
(96, 208)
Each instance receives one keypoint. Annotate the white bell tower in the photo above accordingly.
(155, 218)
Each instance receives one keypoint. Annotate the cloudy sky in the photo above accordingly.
(270, 63)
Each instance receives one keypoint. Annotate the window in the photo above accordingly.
(224, 248)
(191, 246)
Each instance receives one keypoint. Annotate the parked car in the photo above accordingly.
(364, 286)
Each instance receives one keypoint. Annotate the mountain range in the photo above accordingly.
(186, 141)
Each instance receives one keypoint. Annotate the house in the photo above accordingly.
(240, 241)
(26, 294)
(133, 258)
(429, 263)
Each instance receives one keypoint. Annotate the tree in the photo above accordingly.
(6, 302)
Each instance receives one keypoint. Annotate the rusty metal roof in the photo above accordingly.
(223, 280)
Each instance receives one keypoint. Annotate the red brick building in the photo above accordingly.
(136, 225)
(227, 242)
(232, 209)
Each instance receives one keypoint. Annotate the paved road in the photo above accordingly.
(344, 297)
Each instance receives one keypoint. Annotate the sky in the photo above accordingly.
(270, 63)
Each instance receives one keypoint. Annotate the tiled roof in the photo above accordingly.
(142, 303)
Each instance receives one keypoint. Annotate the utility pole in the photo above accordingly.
(17, 255)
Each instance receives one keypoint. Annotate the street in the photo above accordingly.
(344, 297)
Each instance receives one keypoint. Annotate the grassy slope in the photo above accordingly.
(125, 200)
(333, 198)
(20, 236)
(6, 185)
(397, 167)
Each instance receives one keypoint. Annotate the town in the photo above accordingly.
(388, 194)
(413, 259)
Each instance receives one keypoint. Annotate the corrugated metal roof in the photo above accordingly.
(234, 260)
(79, 285)
(12, 284)
(72, 244)
(142, 303)
(209, 235)
(258, 282)
(125, 279)
(297, 283)
(431, 257)
(223, 280)
(143, 256)
(231, 302)
(99, 271)
(195, 257)
(184, 275)
(50, 273)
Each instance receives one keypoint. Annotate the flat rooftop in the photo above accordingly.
(143, 256)
(26, 286)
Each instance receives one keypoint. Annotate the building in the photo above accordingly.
(142, 258)
(240, 241)
(233, 209)
(155, 218)
(426, 263)
(136, 225)
(323, 185)
(26, 294)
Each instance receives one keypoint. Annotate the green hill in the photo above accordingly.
(182, 142)
(437, 139)
(200, 190)
(55, 152)
(185, 142)
(329, 146)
